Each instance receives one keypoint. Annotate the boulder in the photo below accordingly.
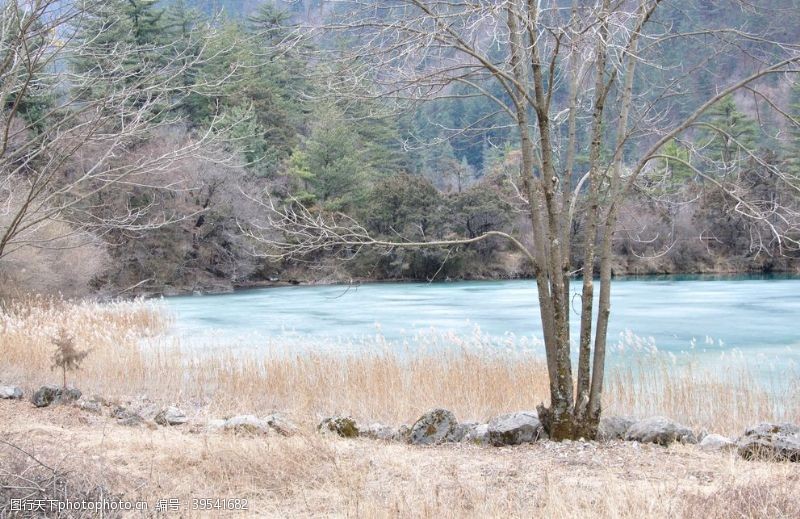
(144, 407)
(51, 394)
(377, 431)
(659, 430)
(171, 416)
(767, 441)
(613, 428)
(343, 426)
(716, 442)
(515, 429)
(90, 405)
(247, 424)
(127, 417)
(140, 406)
(477, 434)
(133, 420)
(435, 426)
(215, 425)
(462, 429)
(280, 424)
(403, 434)
(10, 393)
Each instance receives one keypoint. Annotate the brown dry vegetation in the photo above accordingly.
(380, 384)
(308, 475)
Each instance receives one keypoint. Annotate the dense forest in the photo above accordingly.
(257, 116)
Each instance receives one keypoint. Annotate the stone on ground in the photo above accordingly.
(127, 417)
(215, 425)
(378, 431)
(247, 424)
(280, 424)
(90, 405)
(613, 428)
(716, 442)
(462, 429)
(659, 430)
(343, 426)
(477, 434)
(435, 426)
(515, 429)
(403, 434)
(171, 415)
(767, 441)
(52, 394)
(10, 392)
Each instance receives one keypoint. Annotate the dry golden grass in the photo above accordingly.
(314, 476)
(382, 385)
(309, 475)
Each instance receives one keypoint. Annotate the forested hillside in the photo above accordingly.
(216, 102)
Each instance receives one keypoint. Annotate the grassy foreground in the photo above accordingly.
(308, 475)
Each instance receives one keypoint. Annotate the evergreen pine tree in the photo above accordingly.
(120, 42)
(727, 135)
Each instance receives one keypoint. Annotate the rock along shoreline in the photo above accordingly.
(762, 441)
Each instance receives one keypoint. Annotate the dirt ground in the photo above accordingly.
(309, 475)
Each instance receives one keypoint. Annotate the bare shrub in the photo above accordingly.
(59, 260)
(25, 476)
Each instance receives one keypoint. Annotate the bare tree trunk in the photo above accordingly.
(590, 231)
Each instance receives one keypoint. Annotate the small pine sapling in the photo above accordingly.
(66, 357)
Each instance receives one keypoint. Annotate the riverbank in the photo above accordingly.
(220, 287)
(309, 475)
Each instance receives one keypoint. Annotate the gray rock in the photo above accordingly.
(121, 411)
(659, 430)
(515, 429)
(613, 428)
(378, 431)
(68, 395)
(403, 434)
(343, 426)
(247, 424)
(45, 395)
(10, 392)
(127, 417)
(280, 424)
(133, 420)
(716, 442)
(215, 425)
(435, 426)
(767, 441)
(144, 407)
(478, 434)
(90, 405)
(462, 429)
(51, 394)
(171, 416)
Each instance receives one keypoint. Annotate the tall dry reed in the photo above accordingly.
(382, 384)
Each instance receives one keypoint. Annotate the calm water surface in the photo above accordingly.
(754, 318)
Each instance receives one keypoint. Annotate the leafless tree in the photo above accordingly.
(57, 162)
(581, 79)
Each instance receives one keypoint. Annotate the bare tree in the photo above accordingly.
(67, 132)
(587, 79)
